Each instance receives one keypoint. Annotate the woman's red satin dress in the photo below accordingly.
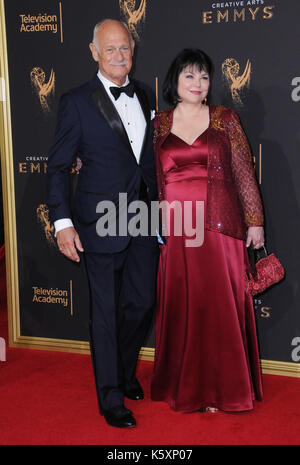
(206, 350)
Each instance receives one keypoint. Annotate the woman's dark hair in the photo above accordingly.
(187, 57)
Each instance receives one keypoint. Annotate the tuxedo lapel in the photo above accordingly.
(141, 95)
(109, 112)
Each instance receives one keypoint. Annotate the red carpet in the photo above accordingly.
(48, 398)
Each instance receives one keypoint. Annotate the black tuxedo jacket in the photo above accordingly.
(89, 126)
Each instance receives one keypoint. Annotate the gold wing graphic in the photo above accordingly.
(42, 213)
(46, 90)
(43, 89)
(133, 16)
(230, 69)
(49, 87)
(243, 80)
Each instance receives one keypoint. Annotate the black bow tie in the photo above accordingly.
(129, 90)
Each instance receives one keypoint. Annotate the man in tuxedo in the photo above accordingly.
(107, 123)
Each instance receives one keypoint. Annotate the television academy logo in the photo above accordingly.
(234, 81)
(43, 89)
(50, 296)
(133, 15)
(37, 22)
(54, 295)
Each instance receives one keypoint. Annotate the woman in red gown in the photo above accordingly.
(206, 352)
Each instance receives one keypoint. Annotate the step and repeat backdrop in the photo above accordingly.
(254, 46)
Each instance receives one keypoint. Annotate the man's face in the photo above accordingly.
(113, 51)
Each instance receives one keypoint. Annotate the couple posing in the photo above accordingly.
(206, 355)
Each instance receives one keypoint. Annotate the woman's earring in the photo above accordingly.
(205, 101)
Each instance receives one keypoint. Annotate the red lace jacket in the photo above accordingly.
(233, 199)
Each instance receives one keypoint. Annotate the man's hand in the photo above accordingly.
(68, 243)
(256, 236)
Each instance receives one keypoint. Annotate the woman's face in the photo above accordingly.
(193, 85)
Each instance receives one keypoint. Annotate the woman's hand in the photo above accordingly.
(255, 235)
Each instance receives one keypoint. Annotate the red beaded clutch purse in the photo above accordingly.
(262, 272)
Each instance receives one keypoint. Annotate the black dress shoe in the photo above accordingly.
(133, 390)
(119, 417)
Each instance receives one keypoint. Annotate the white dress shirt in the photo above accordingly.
(134, 122)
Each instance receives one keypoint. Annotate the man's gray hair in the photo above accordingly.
(99, 24)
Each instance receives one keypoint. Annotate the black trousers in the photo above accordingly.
(122, 299)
